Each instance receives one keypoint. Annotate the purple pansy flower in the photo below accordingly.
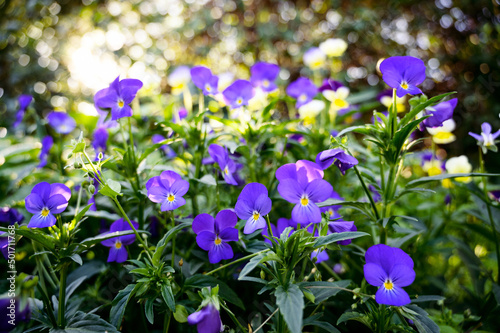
(439, 113)
(390, 269)
(403, 73)
(342, 160)
(332, 210)
(302, 184)
(238, 93)
(252, 205)
(319, 256)
(330, 84)
(46, 200)
(496, 195)
(212, 234)
(117, 251)
(157, 138)
(303, 90)
(181, 114)
(486, 139)
(167, 189)
(47, 143)
(15, 314)
(207, 320)
(118, 96)
(61, 122)
(9, 216)
(204, 79)
(263, 75)
(278, 229)
(221, 157)
(342, 226)
(24, 101)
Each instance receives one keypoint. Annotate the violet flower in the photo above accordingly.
(157, 138)
(319, 256)
(47, 143)
(252, 205)
(302, 184)
(338, 157)
(46, 200)
(207, 320)
(303, 90)
(203, 78)
(9, 216)
(167, 189)
(340, 227)
(16, 314)
(403, 73)
(390, 269)
(238, 93)
(496, 195)
(100, 141)
(117, 251)
(213, 235)
(439, 113)
(486, 139)
(24, 102)
(226, 164)
(263, 75)
(118, 97)
(61, 122)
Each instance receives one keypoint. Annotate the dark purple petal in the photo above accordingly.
(10, 215)
(319, 256)
(283, 223)
(34, 203)
(265, 232)
(205, 240)
(252, 191)
(219, 154)
(203, 222)
(325, 158)
(168, 178)
(180, 187)
(220, 252)
(290, 190)
(106, 98)
(207, 319)
(375, 274)
(309, 213)
(403, 73)
(121, 112)
(225, 219)
(39, 221)
(387, 257)
(244, 209)
(303, 90)
(129, 89)
(318, 190)
(263, 75)
(286, 171)
(43, 190)
(440, 113)
(47, 143)
(203, 78)
(402, 275)
(229, 235)
(395, 297)
(57, 204)
(263, 204)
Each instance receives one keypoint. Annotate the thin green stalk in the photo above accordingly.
(233, 318)
(62, 297)
(201, 103)
(394, 113)
(217, 192)
(166, 321)
(237, 261)
(171, 213)
(265, 321)
(139, 238)
(331, 271)
(368, 194)
(490, 216)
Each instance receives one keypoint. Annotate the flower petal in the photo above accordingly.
(203, 222)
(225, 219)
(395, 297)
(374, 274)
(205, 240)
(34, 203)
(402, 275)
(319, 190)
(57, 204)
(220, 252)
(306, 214)
(290, 190)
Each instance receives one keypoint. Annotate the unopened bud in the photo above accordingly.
(70, 155)
(91, 189)
(317, 276)
(181, 262)
(101, 156)
(77, 165)
(262, 274)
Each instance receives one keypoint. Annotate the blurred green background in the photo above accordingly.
(62, 52)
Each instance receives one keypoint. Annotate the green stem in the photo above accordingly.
(233, 318)
(490, 216)
(166, 322)
(368, 194)
(139, 238)
(171, 213)
(237, 261)
(217, 193)
(331, 271)
(62, 297)
(394, 113)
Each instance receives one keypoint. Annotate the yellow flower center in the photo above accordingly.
(118, 245)
(226, 171)
(265, 83)
(207, 88)
(121, 103)
(404, 85)
(256, 216)
(330, 212)
(434, 171)
(171, 197)
(304, 201)
(388, 285)
(239, 101)
(302, 98)
(340, 103)
(217, 240)
(45, 212)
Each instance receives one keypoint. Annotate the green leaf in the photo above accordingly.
(425, 180)
(291, 305)
(81, 213)
(112, 189)
(180, 314)
(322, 290)
(207, 180)
(148, 310)
(88, 242)
(76, 258)
(120, 304)
(400, 137)
(250, 266)
(154, 147)
(421, 319)
(36, 235)
(86, 323)
(165, 239)
(200, 281)
(168, 296)
(324, 325)
(417, 109)
(362, 129)
(336, 237)
(428, 298)
(362, 207)
(346, 316)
